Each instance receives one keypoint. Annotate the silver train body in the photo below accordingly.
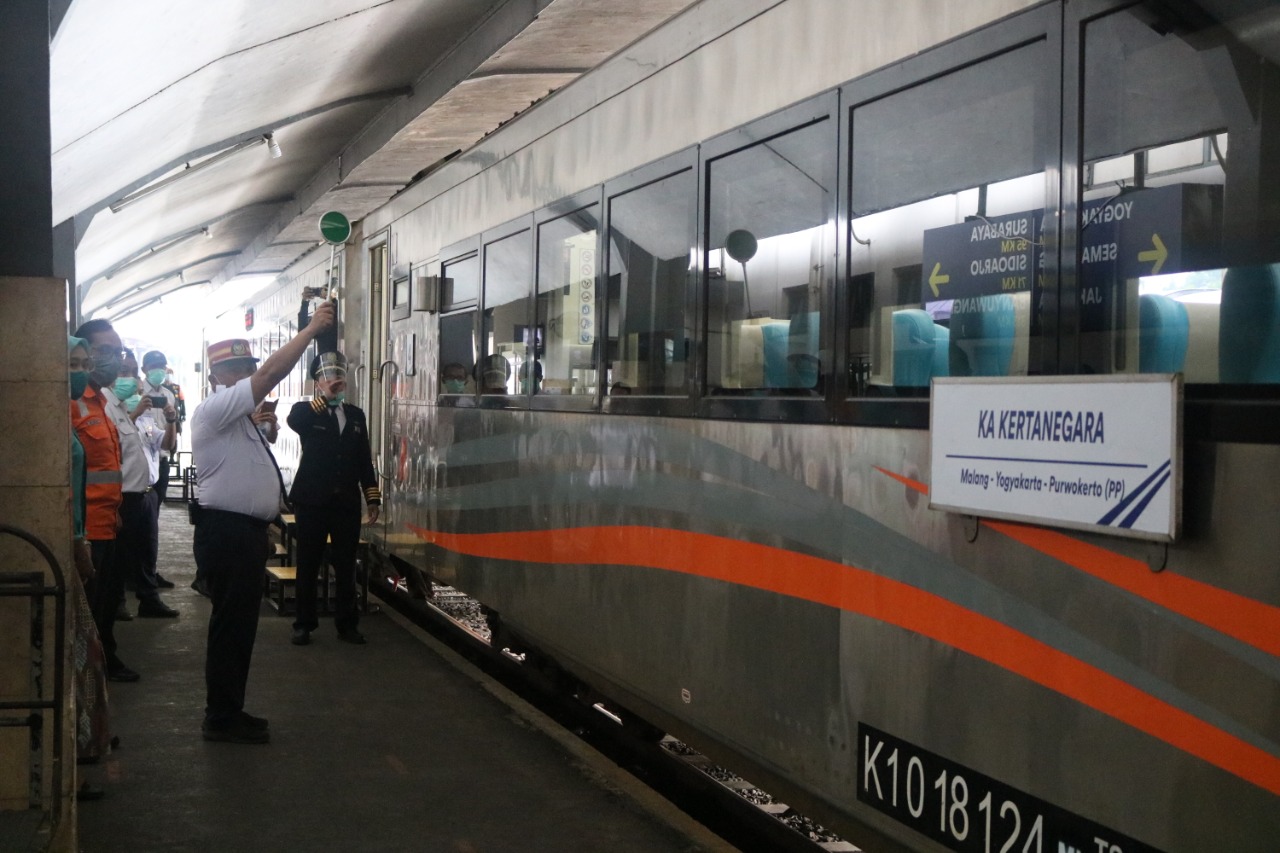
(759, 572)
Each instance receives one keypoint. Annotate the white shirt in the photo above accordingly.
(151, 431)
(133, 458)
(233, 469)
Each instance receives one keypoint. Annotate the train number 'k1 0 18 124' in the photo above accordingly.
(967, 811)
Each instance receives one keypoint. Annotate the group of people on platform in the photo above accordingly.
(123, 424)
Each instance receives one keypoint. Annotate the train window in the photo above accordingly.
(1179, 202)
(947, 191)
(510, 343)
(650, 235)
(458, 349)
(567, 305)
(770, 238)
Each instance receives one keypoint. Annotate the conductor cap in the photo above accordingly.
(329, 365)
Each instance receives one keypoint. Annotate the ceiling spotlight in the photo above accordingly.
(273, 146)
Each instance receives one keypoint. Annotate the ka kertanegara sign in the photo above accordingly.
(1087, 453)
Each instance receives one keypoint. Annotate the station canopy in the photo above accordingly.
(197, 143)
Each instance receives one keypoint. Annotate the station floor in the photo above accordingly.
(394, 745)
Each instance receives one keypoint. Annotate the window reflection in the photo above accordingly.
(567, 305)
(770, 247)
(945, 244)
(1178, 200)
(650, 235)
(457, 327)
(509, 342)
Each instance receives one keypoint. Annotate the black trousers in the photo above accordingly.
(162, 482)
(104, 590)
(138, 540)
(231, 550)
(341, 524)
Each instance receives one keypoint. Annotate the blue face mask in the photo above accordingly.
(455, 386)
(125, 387)
(131, 402)
(79, 381)
(156, 377)
(336, 399)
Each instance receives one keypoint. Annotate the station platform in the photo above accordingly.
(395, 745)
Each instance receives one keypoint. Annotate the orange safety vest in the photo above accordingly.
(102, 481)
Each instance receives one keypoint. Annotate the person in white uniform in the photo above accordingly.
(240, 493)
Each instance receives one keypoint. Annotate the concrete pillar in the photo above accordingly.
(34, 471)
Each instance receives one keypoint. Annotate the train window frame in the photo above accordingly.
(679, 163)
(1215, 412)
(550, 213)
(824, 107)
(1038, 24)
(452, 254)
(488, 238)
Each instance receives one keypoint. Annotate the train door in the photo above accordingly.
(376, 399)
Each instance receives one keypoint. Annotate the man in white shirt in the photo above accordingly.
(240, 492)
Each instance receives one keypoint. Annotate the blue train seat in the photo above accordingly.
(1249, 325)
(913, 347)
(1163, 332)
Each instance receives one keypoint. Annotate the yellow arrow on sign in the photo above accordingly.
(936, 278)
(1159, 254)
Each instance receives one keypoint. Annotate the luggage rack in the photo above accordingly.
(32, 585)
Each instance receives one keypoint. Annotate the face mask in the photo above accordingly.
(156, 377)
(336, 399)
(131, 402)
(79, 381)
(455, 386)
(125, 386)
(105, 372)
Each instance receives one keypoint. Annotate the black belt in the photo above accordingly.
(206, 512)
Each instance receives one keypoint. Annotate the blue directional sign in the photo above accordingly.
(982, 256)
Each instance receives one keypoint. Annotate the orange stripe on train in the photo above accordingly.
(859, 591)
(1246, 619)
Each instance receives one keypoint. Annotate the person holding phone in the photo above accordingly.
(164, 402)
(151, 433)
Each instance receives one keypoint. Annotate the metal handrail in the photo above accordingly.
(59, 593)
(378, 375)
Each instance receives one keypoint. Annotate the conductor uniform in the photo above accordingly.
(334, 476)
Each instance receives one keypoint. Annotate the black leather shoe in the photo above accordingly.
(122, 673)
(154, 608)
(253, 722)
(301, 637)
(238, 732)
(163, 582)
(200, 586)
(123, 614)
(351, 635)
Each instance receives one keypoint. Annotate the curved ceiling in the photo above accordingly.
(165, 105)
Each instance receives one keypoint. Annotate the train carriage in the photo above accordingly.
(650, 371)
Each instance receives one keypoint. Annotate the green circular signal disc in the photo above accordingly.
(335, 228)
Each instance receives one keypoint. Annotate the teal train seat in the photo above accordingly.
(941, 351)
(913, 347)
(1249, 325)
(1163, 332)
(982, 333)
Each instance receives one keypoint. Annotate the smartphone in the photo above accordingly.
(267, 406)
(158, 401)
